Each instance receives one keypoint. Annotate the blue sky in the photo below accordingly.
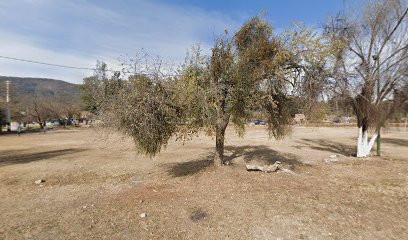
(79, 32)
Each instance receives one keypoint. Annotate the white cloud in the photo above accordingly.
(17, 48)
(77, 33)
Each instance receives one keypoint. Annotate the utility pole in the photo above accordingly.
(8, 117)
(377, 59)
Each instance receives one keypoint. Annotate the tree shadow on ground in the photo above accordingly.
(18, 157)
(396, 141)
(259, 154)
(262, 155)
(190, 167)
(328, 146)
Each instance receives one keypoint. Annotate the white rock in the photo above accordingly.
(143, 215)
(39, 181)
(333, 156)
(330, 160)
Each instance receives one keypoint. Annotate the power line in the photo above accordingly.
(77, 68)
(44, 63)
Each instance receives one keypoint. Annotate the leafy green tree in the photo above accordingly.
(91, 94)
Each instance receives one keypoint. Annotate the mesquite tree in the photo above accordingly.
(246, 73)
(370, 65)
(236, 80)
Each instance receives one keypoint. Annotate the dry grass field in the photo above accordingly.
(97, 186)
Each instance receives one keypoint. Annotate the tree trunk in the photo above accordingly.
(220, 128)
(219, 149)
(379, 141)
(363, 146)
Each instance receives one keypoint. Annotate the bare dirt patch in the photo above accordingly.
(97, 189)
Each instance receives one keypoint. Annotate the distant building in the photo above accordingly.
(299, 118)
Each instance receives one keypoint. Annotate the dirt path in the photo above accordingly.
(97, 189)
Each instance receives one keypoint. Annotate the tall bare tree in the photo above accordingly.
(41, 109)
(370, 64)
(68, 107)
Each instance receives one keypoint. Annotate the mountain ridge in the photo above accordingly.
(40, 86)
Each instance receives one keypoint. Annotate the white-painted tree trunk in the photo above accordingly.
(363, 146)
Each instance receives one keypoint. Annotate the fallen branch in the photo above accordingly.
(266, 168)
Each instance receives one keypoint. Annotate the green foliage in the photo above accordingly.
(94, 88)
(193, 95)
(318, 113)
(147, 115)
(88, 101)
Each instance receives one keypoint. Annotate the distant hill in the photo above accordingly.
(40, 86)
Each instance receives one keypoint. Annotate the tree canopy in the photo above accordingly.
(250, 72)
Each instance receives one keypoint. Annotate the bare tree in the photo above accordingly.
(68, 107)
(40, 109)
(370, 65)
